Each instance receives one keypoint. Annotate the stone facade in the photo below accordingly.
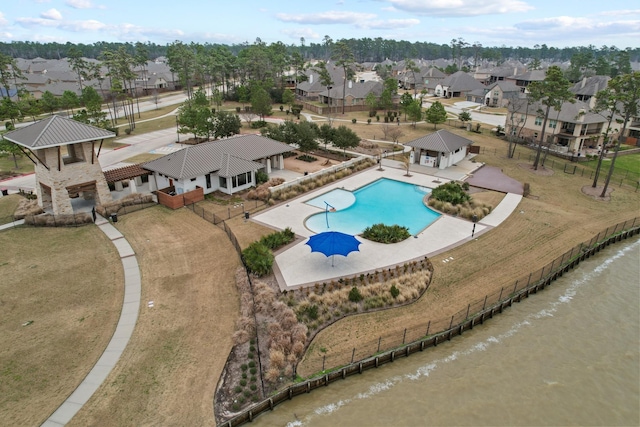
(69, 166)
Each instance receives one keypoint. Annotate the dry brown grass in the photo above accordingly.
(555, 218)
(168, 372)
(68, 283)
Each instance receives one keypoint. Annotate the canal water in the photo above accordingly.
(568, 355)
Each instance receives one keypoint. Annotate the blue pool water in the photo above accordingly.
(383, 201)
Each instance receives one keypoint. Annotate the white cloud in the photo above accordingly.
(51, 14)
(3, 20)
(79, 4)
(454, 8)
(330, 17)
(626, 12)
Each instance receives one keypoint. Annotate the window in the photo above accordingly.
(242, 179)
(553, 124)
(538, 121)
(207, 179)
(223, 182)
(496, 93)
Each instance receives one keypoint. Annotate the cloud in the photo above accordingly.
(388, 24)
(625, 12)
(456, 8)
(3, 20)
(79, 4)
(51, 14)
(330, 17)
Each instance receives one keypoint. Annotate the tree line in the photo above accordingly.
(364, 49)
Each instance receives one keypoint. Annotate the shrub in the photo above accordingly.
(252, 364)
(244, 367)
(354, 121)
(258, 259)
(243, 383)
(258, 124)
(307, 158)
(355, 295)
(450, 192)
(261, 177)
(394, 291)
(382, 233)
(368, 121)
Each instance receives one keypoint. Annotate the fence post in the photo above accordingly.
(515, 287)
(529, 280)
(379, 339)
(353, 353)
(428, 326)
(485, 302)
(323, 358)
(451, 324)
(500, 297)
(467, 316)
(404, 336)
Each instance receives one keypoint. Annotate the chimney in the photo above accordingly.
(515, 71)
(350, 84)
(584, 82)
(310, 78)
(581, 114)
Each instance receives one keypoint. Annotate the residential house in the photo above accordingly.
(440, 149)
(228, 165)
(457, 85)
(491, 75)
(525, 79)
(498, 94)
(571, 130)
(587, 88)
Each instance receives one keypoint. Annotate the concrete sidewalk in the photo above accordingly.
(121, 336)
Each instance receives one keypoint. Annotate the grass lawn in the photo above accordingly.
(553, 219)
(627, 166)
(169, 371)
(141, 158)
(8, 205)
(68, 283)
(8, 165)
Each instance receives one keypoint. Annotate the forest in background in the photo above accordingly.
(364, 50)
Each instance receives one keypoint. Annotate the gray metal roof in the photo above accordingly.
(56, 131)
(227, 157)
(442, 141)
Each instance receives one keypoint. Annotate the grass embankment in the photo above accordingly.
(8, 205)
(60, 298)
(168, 372)
(553, 219)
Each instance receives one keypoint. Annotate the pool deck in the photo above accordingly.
(296, 266)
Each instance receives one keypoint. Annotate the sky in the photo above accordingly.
(526, 23)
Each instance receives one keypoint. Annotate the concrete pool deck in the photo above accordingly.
(296, 266)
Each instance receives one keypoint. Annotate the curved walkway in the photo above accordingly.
(120, 338)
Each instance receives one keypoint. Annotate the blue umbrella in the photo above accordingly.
(332, 243)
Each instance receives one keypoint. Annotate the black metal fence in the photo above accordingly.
(401, 343)
(246, 209)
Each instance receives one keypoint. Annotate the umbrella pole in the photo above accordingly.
(332, 260)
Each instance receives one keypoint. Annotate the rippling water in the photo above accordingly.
(569, 355)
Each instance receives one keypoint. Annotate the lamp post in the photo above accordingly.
(177, 129)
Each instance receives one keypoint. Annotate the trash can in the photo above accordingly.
(114, 217)
(246, 215)
(5, 192)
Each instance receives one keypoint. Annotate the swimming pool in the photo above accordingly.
(383, 201)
